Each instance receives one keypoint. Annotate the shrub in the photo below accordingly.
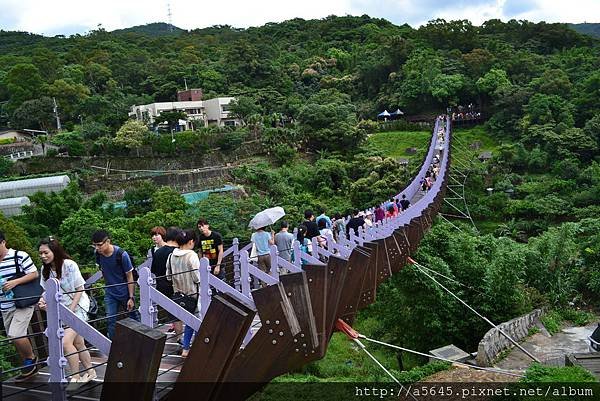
(538, 373)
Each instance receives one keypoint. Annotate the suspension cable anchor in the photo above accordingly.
(347, 330)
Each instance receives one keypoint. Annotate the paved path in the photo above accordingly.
(549, 349)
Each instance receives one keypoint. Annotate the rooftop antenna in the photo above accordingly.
(170, 17)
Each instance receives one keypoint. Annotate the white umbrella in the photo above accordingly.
(266, 217)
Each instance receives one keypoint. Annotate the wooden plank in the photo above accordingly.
(368, 291)
(337, 269)
(404, 247)
(355, 277)
(134, 357)
(305, 345)
(254, 364)
(383, 265)
(394, 253)
(217, 342)
(297, 290)
(317, 276)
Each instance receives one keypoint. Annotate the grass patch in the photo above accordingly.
(394, 144)
(552, 321)
(467, 136)
(538, 373)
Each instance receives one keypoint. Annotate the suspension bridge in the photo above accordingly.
(251, 328)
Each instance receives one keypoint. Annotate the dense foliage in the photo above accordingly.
(305, 91)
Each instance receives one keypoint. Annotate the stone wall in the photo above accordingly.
(494, 342)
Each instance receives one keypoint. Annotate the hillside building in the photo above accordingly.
(200, 113)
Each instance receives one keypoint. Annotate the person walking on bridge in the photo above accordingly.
(210, 244)
(17, 268)
(262, 241)
(56, 263)
(183, 269)
(117, 271)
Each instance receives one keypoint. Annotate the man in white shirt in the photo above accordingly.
(16, 268)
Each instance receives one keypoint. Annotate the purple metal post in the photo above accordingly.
(147, 308)
(296, 250)
(244, 274)
(56, 360)
(236, 264)
(274, 254)
(205, 291)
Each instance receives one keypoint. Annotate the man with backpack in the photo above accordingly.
(17, 269)
(117, 271)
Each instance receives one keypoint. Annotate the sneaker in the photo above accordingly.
(74, 383)
(30, 368)
(88, 376)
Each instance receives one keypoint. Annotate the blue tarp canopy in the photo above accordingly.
(384, 113)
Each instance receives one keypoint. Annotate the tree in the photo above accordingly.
(139, 198)
(168, 200)
(24, 82)
(493, 82)
(131, 135)
(446, 88)
(34, 114)
(171, 117)
(42, 140)
(245, 106)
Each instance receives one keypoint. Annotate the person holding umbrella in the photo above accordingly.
(261, 239)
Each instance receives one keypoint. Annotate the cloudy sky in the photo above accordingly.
(79, 16)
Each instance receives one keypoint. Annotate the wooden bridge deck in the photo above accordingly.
(589, 361)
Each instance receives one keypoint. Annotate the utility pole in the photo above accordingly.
(170, 17)
(58, 127)
(185, 82)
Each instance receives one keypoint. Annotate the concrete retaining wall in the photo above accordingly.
(494, 342)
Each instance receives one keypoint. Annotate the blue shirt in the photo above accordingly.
(115, 274)
(328, 223)
(261, 240)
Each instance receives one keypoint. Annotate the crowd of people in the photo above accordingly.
(174, 260)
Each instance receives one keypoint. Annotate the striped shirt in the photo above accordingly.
(8, 270)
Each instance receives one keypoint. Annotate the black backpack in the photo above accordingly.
(119, 261)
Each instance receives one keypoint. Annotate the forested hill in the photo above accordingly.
(153, 29)
(370, 63)
(587, 29)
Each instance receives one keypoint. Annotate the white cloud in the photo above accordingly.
(70, 16)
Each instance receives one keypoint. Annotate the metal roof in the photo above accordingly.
(32, 185)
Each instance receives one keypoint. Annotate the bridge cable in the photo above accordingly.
(354, 336)
(350, 332)
(419, 267)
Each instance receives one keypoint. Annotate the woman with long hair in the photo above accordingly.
(183, 270)
(56, 263)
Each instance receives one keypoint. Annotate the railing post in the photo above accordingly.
(147, 309)
(296, 251)
(244, 274)
(56, 360)
(236, 264)
(314, 246)
(205, 291)
(274, 254)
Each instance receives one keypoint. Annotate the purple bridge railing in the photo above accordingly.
(246, 272)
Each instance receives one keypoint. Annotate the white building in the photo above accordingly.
(200, 113)
(18, 188)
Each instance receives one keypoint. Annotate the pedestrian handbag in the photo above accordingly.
(26, 294)
(187, 302)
